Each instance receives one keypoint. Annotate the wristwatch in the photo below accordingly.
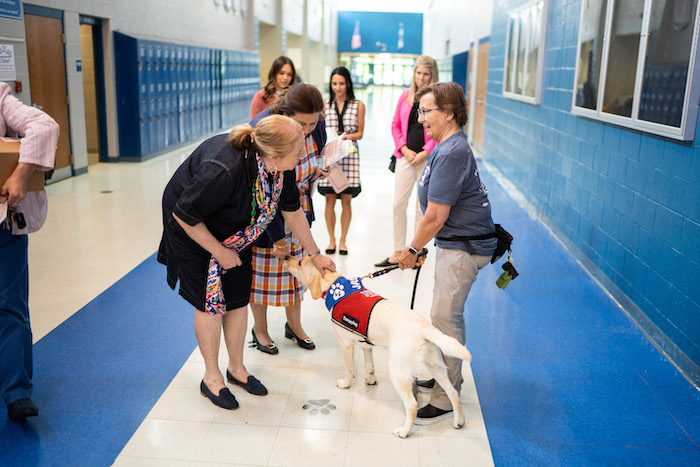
(412, 250)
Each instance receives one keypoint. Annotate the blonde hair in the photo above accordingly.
(272, 136)
(430, 64)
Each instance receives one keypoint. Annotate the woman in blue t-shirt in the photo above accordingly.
(455, 204)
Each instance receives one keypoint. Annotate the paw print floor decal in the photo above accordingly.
(319, 406)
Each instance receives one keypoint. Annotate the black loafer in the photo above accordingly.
(330, 251)
(253, 385)
(385, 263)
(343, 252)
(270, 348)
(430, 414)
(307, 344)
(225, 399)
(21, 409)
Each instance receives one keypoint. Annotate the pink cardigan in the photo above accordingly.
(399, 126)
(258, 104)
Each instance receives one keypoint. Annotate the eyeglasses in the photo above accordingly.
(424, 112)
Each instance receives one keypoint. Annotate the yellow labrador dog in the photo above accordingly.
(409, 337)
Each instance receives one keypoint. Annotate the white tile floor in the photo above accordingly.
(103, 224)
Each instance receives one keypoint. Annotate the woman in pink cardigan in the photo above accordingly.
(281, 75)
(412, 147)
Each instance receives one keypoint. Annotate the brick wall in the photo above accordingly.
(629, 201)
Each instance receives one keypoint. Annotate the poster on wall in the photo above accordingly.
(8, 71)
(10, 9)
(377, 32)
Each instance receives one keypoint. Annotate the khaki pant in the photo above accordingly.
(407, 177)
(455, 272)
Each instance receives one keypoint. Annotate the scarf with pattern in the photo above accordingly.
(266, 197)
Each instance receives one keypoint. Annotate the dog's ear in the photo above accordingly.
(315, 287)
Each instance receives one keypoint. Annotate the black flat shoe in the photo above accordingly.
(225, 399)
(270, 348)
(307, 344)
(343, 252)
(429, 415)
(21, 409)
(385, 263)
(253, 385)
(330, 251)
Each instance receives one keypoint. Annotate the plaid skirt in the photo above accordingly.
(272, 284)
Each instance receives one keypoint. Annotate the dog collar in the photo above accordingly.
(341, 288)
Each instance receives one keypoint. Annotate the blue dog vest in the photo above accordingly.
(351, 305)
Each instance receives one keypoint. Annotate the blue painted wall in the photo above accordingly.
(383, 28)
(629, 201)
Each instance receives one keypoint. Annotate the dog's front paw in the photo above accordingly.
(370, 380)
(458, 422)
(343, 383)
(401, 433)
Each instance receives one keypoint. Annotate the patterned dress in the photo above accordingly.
(351, 163)
(272, 284)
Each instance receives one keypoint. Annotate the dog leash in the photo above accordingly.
(372, 275)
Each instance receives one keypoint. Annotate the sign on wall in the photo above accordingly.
(8, 71)
(10, 9)
(377, 32)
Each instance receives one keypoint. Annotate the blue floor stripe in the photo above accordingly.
(563, 376)
(98, 374)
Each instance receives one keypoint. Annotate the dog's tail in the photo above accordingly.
(449, 345)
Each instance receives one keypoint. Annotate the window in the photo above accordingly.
(524, 44)
(635, 64)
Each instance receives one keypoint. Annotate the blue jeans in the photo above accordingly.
(15, 331)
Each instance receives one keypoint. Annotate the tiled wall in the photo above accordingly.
(629, 201)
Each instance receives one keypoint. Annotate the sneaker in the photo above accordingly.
(429, 415)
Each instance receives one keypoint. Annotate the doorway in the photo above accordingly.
(91, 55)
(482, 74)
(47, 76)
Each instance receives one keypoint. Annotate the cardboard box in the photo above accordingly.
(9, 155)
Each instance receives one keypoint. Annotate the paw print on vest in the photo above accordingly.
(319, 406)
(337, 291)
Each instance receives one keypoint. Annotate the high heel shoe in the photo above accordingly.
(270, 348)
(385, 263)
(307, 344)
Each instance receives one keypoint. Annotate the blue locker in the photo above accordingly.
(152, 95)
(215, 92)
(186, 121)
(196, 97)
(129, 57)
(159, 74)
(165, 73)
(179, 87)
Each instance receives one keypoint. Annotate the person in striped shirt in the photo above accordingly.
(39, 136)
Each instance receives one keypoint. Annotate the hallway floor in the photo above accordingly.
(560, 375)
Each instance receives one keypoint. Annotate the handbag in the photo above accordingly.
(392, 164)
(337, 179)
(503, 241)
